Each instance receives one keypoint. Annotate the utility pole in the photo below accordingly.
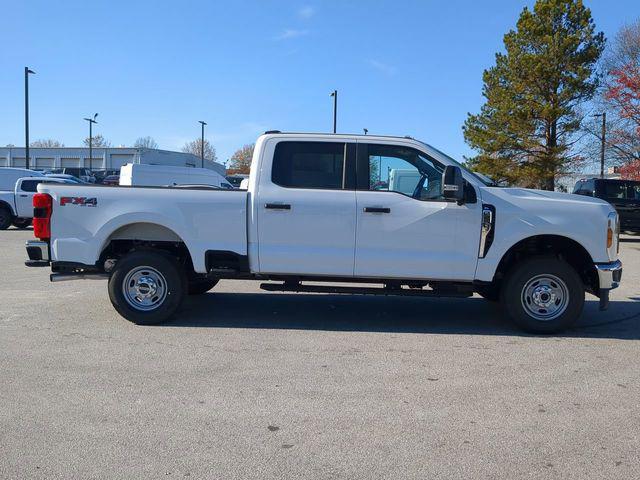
(27, 71)
(202, 144)
(603, 138)
(91, 122)
(334, 94)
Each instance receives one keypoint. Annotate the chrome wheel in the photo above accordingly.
(144, 288)
(545, 297)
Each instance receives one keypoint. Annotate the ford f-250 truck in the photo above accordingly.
(320, 209)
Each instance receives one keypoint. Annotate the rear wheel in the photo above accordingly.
(5, 218)
(198, 287)
(21, 222)
(543, 295)
(147, 288)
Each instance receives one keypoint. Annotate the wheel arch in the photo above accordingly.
(8, 206)
(145, 235)
(568, 249)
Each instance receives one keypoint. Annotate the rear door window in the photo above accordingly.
(30, 185)
(309, 165)
(615, 190)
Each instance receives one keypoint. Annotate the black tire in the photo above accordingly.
(491, 293)
(525, 287)
(198, 287)
(161, 282)
(5, 218)
(21, 223)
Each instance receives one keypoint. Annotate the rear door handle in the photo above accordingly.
(23, 195)
(377, 210)
(277, 206)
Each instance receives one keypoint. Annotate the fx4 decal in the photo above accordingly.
(81, 201)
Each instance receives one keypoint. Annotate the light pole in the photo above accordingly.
(27, 71)
(334, 94)
(365, 130)
(202, 143)
(91, 122)
(603, 137)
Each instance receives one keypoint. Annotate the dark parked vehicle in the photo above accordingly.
(100, 175)
(624, 195)
(111, 180)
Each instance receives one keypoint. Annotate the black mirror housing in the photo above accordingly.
(453, 184)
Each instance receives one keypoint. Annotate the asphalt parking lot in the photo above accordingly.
(249, 384)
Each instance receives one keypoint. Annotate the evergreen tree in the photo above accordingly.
(524, 131)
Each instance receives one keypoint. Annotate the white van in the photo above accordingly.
(140, 175)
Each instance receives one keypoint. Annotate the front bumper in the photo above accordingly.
(609, 274)
(38, 252)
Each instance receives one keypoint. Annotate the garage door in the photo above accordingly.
(119, 159)
(4, 162)
(19, 162)
(44, 162)
(69, 162)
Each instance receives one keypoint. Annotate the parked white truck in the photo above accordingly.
(315, 212)
(16, 196)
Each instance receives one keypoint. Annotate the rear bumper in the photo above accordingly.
(38, 253)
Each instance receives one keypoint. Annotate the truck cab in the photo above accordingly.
(392, 213)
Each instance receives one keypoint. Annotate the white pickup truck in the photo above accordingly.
(16, 199)
(320, 210)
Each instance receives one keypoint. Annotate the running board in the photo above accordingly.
(298, 287)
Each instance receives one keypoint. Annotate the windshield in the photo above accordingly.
(484, 180)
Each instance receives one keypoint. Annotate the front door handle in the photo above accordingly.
(377, 210)
(277, 206)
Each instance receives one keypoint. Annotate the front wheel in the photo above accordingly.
(543, 295)
(21, 223)
(147, 288)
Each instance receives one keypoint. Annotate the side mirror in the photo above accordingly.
(453, 184)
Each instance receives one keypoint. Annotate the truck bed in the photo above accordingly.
(86, 217)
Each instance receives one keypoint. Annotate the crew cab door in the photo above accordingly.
(306, 208)
(405, 228)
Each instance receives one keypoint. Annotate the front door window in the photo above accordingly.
(404, 170)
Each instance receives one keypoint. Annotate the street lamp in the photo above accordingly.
(202, 143)
(27, 71)
(334, 94)
(603, 135)
(91, 122)
(365, 130)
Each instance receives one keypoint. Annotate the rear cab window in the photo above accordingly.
(30, 185)
(313, 165)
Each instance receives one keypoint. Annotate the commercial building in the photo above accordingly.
(103, 158)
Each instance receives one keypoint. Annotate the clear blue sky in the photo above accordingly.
(156, 68)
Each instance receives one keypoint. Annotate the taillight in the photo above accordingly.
(42, 205)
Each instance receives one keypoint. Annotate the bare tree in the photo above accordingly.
(194, 148)
(622, 140)
(97, 141)
(46, 143)
(145, 142)
(240, 161)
